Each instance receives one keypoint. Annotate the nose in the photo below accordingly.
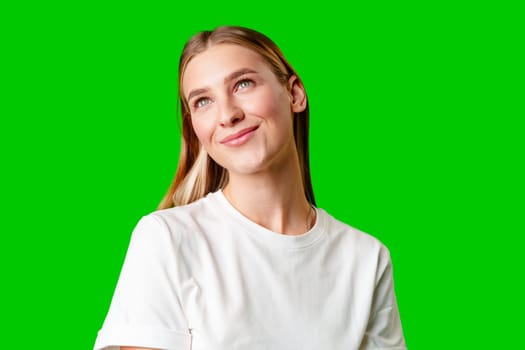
(230, 113)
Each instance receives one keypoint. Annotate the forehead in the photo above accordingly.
(217, 62)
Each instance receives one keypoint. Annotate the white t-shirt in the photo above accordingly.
(204, 277)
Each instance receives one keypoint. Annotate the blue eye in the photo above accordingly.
(201, 102)
(244, 84)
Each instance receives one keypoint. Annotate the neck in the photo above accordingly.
(273, 199)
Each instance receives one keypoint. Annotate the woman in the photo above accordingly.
(239, 257)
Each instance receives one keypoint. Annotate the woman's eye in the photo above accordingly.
(244, 84)
(201, 102)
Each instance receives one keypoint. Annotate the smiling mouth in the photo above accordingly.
(240, 137)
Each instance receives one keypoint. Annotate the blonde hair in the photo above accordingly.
(197, 173)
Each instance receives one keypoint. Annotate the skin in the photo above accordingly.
(265, 182)
(265, 178)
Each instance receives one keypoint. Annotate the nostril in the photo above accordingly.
(231, 115)
(236, 116)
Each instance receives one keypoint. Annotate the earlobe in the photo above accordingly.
(297, 94)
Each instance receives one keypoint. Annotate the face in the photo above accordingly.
(240, 112)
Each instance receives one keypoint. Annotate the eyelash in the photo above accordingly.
(196, 104)
(237, 84)
(243, 81)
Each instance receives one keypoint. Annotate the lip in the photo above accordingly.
(240, 137)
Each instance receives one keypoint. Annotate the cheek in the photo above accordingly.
(202, 129)
(269, 104)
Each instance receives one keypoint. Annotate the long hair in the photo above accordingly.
(197, 173)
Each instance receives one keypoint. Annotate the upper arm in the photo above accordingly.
(384, 326)
(146, 311)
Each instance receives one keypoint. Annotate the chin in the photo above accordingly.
(248, 167)
(246, 170)
(249, 162)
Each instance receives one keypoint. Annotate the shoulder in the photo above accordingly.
(175, 223)
(162, 235)
(357, 251)
(352, 239)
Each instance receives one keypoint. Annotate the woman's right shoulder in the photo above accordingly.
(178, 222)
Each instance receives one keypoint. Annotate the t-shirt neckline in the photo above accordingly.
(279, 240)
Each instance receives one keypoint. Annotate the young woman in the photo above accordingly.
(239, 257)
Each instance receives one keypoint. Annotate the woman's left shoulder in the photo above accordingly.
(345, 235)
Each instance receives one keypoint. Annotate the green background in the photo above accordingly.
(416, 138)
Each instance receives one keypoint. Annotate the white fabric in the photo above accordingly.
(204, 277)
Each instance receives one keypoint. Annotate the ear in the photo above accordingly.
(297, 94)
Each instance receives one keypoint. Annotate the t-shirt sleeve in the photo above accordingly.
(145, 310)
(384, 326)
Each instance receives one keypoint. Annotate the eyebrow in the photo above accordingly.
(229, 78)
